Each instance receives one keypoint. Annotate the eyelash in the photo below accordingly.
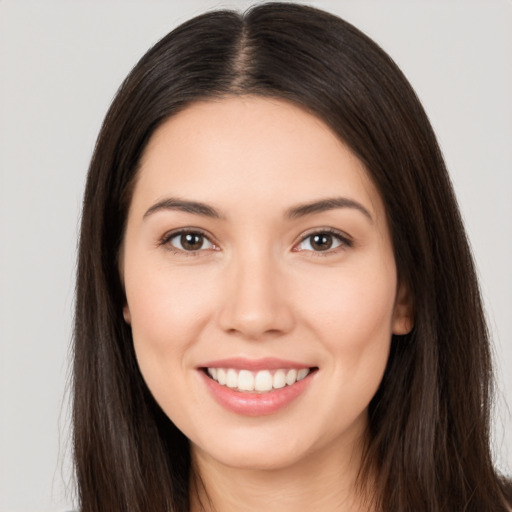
(165, 241)
(343, 239)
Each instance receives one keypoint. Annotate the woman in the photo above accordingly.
(276, 305)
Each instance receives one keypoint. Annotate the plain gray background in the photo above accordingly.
(60, 65)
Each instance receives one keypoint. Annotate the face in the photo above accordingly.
(260, 282)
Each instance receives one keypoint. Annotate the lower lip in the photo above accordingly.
(255, 404)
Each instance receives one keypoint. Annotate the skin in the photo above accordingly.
(257, 287)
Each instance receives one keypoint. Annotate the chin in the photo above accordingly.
(257, 459)
(258, 449)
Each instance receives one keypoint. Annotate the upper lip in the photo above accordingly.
(265, 363)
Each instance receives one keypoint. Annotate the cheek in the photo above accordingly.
(167, 314)
(352, 315)
(353, 305)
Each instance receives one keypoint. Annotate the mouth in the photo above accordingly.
(256, 388)
(261, 381)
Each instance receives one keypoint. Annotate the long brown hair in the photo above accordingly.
(429, 421)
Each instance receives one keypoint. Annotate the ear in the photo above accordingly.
(120, 265)
(403, 314)
(126, 314)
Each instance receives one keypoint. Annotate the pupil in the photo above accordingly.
(322, 242)
(191, 241)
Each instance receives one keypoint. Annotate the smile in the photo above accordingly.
(261, 381)
(256, 387)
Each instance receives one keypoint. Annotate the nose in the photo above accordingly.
(255, 304)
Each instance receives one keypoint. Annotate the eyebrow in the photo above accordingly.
(183, 205)
(295, 212)
(326, 205)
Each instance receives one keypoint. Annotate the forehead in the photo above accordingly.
(266, 150)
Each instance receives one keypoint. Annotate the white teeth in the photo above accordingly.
(302, 373)
(291, 377)
(221, 376)
(279, 380)
(261, 381)
(232, 378)
(245, 381)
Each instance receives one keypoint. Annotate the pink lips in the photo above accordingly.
(249, 403)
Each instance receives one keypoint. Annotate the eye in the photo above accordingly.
(322, 241)
(188, 241)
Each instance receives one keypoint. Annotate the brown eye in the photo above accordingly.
(322, 241)
(190, 241)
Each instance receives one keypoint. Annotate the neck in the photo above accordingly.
(324, 482)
